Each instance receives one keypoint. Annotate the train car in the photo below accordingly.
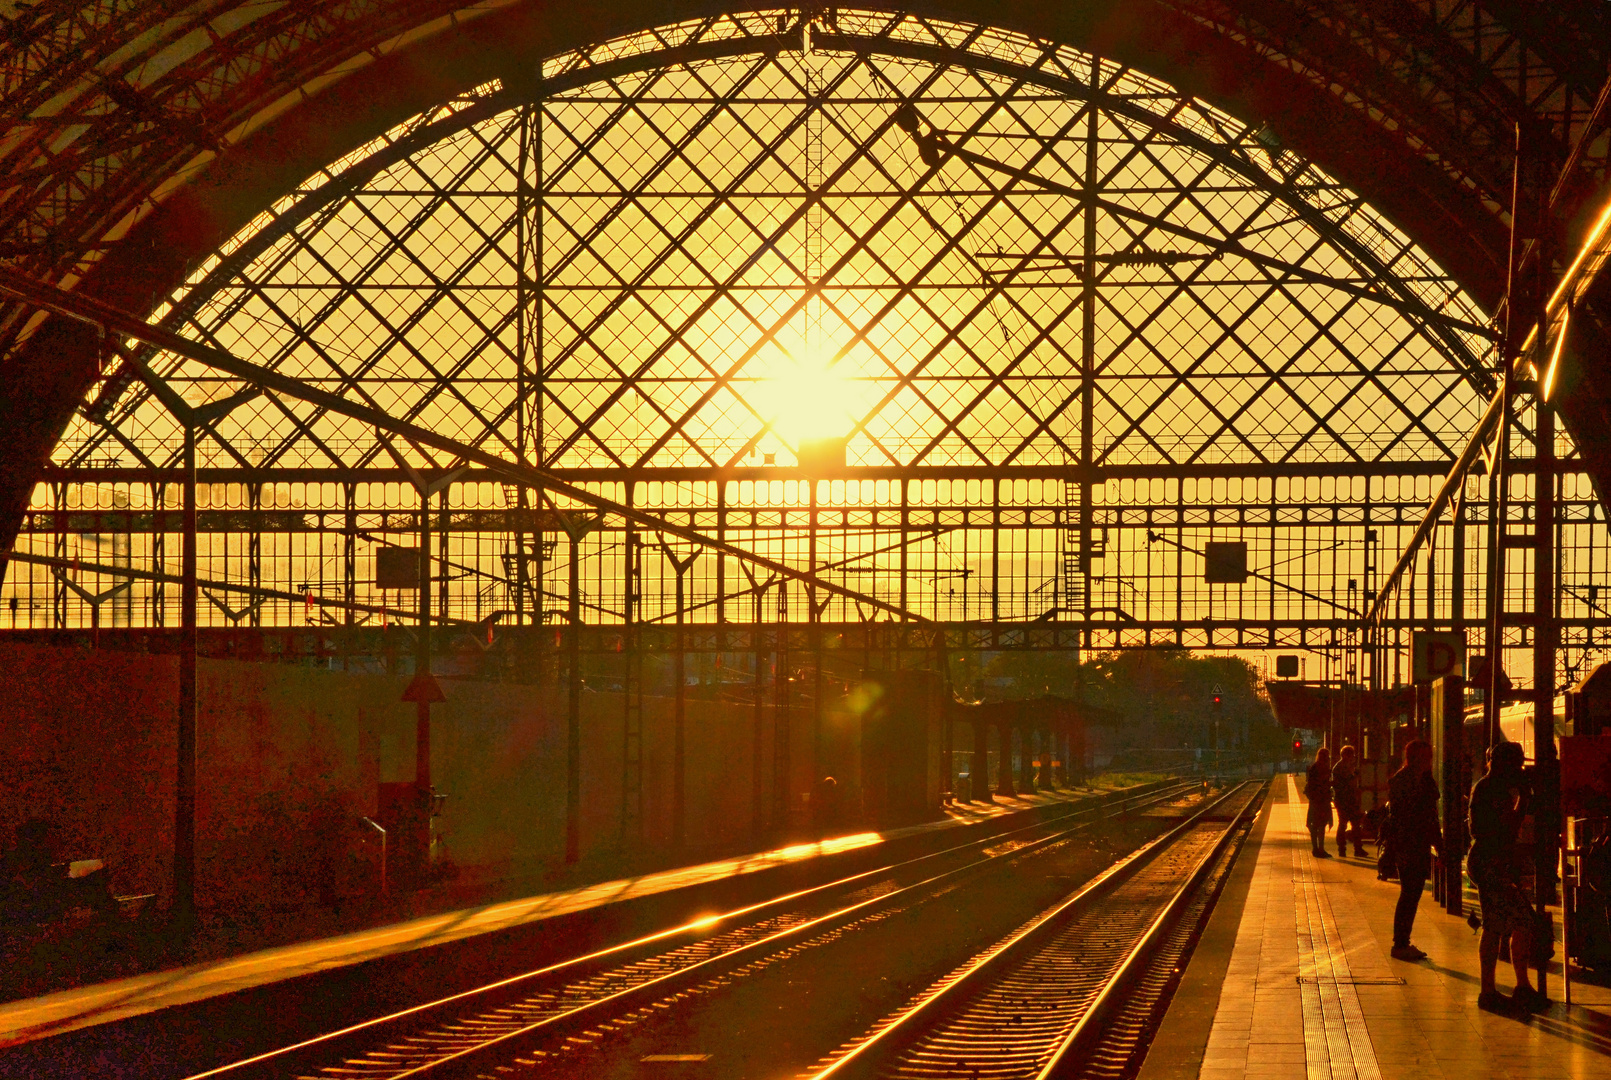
(1515, 723)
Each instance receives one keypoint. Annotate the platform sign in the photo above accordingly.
(1225, 562)
(397, 567)
(1436, 653)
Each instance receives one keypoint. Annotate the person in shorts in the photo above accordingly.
(1496, 813)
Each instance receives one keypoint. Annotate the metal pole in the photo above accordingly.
(1004, 782)
(422, 657)
(995, 556)
(1493, 622)
(947, 760)
(679, 794)
(816, 643)
(1499, 496)
(757, 738)
(1457, 568)
(906, 543)
(573, 706)
(1088, 356)
(981, 762)
(1546, 639)
(184, 829)
(782, 735)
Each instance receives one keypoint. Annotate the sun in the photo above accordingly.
(809, 400)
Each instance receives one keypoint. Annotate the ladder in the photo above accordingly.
(1082, 545)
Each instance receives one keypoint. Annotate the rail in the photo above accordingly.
(900, 1038)
(641, 956)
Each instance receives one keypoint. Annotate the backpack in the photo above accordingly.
(1386, 860)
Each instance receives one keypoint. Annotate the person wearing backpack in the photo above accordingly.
(1317, 789)
(1412, 800)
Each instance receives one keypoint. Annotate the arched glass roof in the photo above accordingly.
(1070, 323)
(692, 231)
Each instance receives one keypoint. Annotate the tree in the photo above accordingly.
(1154, 697)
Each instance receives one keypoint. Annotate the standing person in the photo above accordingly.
(1495, 815)
(1317, 787)
(1345, 796)
(1412, 801)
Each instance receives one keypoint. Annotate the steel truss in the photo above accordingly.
(607, 268)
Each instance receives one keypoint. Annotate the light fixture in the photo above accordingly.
(1546, 385)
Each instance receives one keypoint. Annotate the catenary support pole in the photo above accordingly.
(573, 703)
(1004, 780)
(679, 745)
(981, 762)
(184, 831)
(422, 655)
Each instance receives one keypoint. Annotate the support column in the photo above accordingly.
(721, 563)
(422, 654)
(1457, 563)
(573, 704)
(906, 545)
(758, 736)
(1026, 758)
(349, 555)
(995, 559)
(1546, 640)
(254, 554)
(816, 643)
(184, 827)
(159, 501)
(943, 690)
(444, 579)
(1493, 631)
(631, 687)
(1004, 784)
(782, 736)
(679, 745)
(1087, 388)
(980, 787)
(1066, 752)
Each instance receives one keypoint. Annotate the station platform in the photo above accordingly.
(1292, 981)
(57, 1013)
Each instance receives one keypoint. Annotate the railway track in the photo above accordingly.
(1072, 992)
(519, 1019)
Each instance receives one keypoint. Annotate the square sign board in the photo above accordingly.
(1225, 562)
(397, 568)
(1436, 653)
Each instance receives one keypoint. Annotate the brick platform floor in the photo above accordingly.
(1293, 982)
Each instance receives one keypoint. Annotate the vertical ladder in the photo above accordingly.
(1082, 545)
(1074, 577)
(523, 550)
